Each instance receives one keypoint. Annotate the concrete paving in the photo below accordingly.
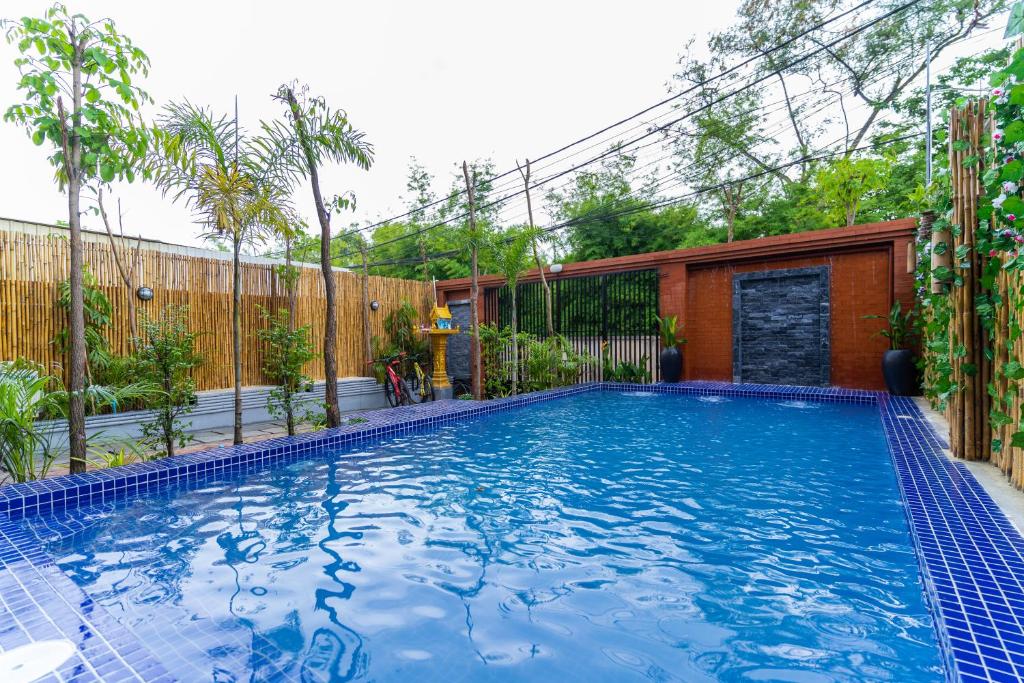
(1009, 499)
(222, 436)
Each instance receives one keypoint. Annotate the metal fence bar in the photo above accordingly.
(617, 309)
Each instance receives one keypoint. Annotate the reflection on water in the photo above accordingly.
(597, 538)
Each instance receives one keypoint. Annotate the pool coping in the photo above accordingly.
(969, 554)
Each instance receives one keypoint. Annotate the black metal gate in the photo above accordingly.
(617, 309)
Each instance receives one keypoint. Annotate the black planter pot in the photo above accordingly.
(671, 364)
(900, 372)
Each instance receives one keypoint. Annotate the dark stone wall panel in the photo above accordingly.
(781, 326)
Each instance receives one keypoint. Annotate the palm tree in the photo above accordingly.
(204, 161)
(297, 146)
(512, 256)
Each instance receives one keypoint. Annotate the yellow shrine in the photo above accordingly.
(440, 328)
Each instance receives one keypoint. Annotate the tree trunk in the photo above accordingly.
(168, 414)
(236, 332)
(426, 272)
(331, 310)
(474, 292)
(76, 312)
(367, 345)
(127, 274)
(289, 411)
(290, 282)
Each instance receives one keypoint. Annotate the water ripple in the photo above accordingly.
(599, 538)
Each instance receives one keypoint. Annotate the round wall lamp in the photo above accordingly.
(144, 293)
(374, 305)
(556, 268)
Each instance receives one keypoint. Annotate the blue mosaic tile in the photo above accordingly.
(971, 556)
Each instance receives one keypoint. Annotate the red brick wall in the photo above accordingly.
(868, 270)
(859, 285)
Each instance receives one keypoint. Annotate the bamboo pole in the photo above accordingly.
(31, 268)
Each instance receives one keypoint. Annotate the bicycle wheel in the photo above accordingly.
(427, 392)
(392, 391)
(416, 389)
(407, 395)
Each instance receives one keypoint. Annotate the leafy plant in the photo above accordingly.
(625, 371)
(27, 393)
(403, 336)
(297, 145)
(844, 184)
(118, 455)
(287, 353)
(233, 192)
(670, 332)
(26, 452)
(79, 95)
(543, 363)
(512, 255)
(899, 326)
(97, 320)
(167, 356)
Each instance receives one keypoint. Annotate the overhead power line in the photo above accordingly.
(648, 206)
(654, 131)
(731, 70)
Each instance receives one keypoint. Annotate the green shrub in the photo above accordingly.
(287, 352)
(166, 357)
(543, 363)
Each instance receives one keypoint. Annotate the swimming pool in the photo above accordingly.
(601, 535)
(628, 535)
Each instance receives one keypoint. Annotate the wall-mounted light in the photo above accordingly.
(556, 268)
(144, 293)
(374, 305)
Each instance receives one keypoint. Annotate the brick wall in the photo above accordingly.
(868, 271)
(859, 285)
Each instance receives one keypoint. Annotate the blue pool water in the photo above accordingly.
(602, 537)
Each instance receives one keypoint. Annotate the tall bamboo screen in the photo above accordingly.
(32, 266)
(979, 356)
(968, 409)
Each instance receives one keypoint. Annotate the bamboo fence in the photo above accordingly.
(32, 266)
(968, 409)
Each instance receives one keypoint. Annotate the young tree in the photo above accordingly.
(167, 356)
(512, 255)
(844, 184)
(311, 134)
(79, 97)
(870, 68)
(204, 162)
(288, 351)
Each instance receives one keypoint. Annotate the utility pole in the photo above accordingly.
(474, 289)
(367, 335)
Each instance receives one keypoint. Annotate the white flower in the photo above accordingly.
(1002, 100)
(1010, 187)
(997, 134)
(998, 92)
(998, 201)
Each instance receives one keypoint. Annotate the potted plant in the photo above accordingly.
(898, 366)
(671, 355)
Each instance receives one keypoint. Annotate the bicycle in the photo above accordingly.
(420, 383)
(397, 389)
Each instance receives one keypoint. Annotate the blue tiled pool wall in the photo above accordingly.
(970, 554)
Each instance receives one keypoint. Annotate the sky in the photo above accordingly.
(440, 81)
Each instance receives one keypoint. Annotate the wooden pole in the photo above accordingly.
(474, 290)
